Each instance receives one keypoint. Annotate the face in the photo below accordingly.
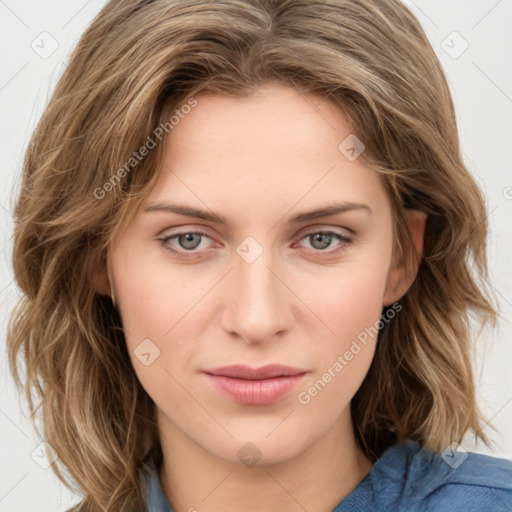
(263, 287)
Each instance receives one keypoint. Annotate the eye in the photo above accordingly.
(188, 241)
(320, 240)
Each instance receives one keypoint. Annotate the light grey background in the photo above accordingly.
(481, 81)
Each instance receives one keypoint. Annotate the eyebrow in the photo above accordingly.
(325, 211)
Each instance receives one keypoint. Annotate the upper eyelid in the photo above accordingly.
(303, 232)
(301, 235)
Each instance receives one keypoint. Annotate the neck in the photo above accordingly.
(317, 479)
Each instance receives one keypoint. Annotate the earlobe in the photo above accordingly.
(100, 282)
(404, 268)
(100, 278)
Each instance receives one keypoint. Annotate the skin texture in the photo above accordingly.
(258, 162)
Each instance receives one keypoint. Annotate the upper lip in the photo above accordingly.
(239, 371)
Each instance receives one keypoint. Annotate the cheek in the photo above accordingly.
(160, 305)
(153, 304)
(351, 308)
(350, 300)
(353, 313)
(152, 296)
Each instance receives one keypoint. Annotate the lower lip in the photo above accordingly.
(255, 392)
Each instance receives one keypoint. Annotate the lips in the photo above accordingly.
(269, 371)
(255, 386)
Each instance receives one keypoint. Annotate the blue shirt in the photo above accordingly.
(409, 479)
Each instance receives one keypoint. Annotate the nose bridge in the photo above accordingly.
(258, 305)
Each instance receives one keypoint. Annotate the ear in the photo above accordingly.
(404, 269)
(100, 280)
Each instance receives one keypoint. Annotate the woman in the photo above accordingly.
(249, 248)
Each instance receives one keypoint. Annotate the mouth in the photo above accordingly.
(255, 386)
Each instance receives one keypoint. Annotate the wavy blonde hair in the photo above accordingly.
(133, 67)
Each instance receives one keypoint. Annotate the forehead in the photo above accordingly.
(277, 120)
(268, 152)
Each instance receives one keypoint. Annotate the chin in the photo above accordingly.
(252, 450)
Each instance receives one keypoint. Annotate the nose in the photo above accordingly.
(258, 304)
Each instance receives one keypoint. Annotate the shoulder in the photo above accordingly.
(425, 480)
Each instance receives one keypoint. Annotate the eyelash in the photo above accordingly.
(339, 236)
